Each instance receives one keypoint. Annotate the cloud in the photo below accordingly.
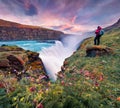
(65, 8)
(65, 15)
(31, 10)
(19, 7)
(99, 12)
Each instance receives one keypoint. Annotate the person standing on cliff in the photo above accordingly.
(99, 32)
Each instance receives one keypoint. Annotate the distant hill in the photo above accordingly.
(14, 24)
(115, 25)
(15, 31)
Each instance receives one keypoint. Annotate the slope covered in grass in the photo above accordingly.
(89, 82)
(86, 82)
(108, 64)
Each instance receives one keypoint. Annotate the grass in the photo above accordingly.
(106, 63)
(82, 91)
(87, 82)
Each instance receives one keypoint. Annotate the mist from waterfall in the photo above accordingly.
(54, 56)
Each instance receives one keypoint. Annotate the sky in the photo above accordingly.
(69, 16)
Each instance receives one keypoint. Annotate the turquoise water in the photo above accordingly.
(52, 53)
(35, 46)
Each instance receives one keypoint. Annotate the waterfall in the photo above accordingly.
(54, 56)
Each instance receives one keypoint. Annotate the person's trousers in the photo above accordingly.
(97, 40)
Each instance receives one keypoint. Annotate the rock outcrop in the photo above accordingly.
(94, 51)
(14, 60)
(15, 31)
(15, 63)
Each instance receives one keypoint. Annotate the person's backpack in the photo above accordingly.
(101, 32)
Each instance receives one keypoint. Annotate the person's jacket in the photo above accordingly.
(98, 31)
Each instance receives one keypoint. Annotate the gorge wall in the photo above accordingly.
(15, 31)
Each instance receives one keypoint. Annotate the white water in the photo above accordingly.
(53, 57)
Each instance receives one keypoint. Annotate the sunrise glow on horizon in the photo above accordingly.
(69, 16)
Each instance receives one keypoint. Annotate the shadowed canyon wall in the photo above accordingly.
(15, 31)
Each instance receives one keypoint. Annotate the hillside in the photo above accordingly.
(115, 25)
(14, 24)
(93, 82)
(89, 82)
(85, 82)
(14, 31)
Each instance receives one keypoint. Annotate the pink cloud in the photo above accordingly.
(63, 15)
(73, 19)
(26, 4)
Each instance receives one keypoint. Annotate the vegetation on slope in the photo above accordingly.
(14, 24)
(87, 82)
(90, 82)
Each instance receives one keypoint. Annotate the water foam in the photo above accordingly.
(53, 57)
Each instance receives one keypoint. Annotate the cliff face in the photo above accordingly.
(15, 31)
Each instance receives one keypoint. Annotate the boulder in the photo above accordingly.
(15, 63)
(20, 62)
(10, 48)
(93, 51)
(32, 56)
(4, 63)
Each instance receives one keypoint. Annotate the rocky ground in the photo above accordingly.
(19, 62)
